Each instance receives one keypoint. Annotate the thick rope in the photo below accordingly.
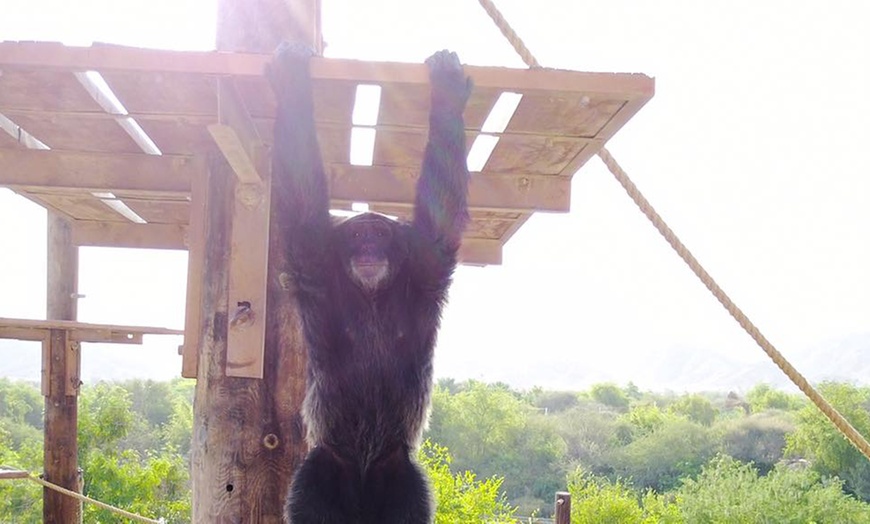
(509, 33)
(824, 406)
(79, 496)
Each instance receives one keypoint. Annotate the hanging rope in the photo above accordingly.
(824, 406)
(16, 474)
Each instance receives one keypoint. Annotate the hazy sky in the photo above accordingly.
(754, 149)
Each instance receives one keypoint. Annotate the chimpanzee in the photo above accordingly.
(370, 293)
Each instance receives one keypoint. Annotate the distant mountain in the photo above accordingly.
(677, 369)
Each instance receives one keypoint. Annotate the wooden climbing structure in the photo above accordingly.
(132, 147)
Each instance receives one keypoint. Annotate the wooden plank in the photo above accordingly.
(96, 171)
(127, 234)
(158, 211)
(23, 333)
(386, 185)
(81, 206)
(236, 134)
(54, 56)
(13, 474)
(45, 375)
(77, 134)
(85, 327)
(535, 155)
(73, 367)
(44, 91)
(249, 257)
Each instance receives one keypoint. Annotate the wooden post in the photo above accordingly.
(62, 366)
(258, 26)
(248, 435)
(563, 507)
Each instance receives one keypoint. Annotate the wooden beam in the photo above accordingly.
(395, 186)
(103, 57)
(236, 134)
(102, 172)
(96, 171)
(60, 445)
(163, 236)
(128, 234)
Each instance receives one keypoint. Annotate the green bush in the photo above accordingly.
(729, 492)
(596, 500)
(461, 497)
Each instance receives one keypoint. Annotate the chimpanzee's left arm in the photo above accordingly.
(441, 207)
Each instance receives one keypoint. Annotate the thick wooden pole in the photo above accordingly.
(248, 432)
(258, 26)
(61, 361)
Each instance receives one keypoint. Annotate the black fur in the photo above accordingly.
(370, 292)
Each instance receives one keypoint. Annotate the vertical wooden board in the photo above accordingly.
(73, 367)
(193, 321)
(249, 254)
(45, 382)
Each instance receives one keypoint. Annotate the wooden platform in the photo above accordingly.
(564, 117)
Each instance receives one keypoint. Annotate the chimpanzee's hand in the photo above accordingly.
(450, 86)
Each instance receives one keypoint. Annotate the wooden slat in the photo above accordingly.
(76, 134)
(95, 171)
(43, 91)
(385, 185)
(127, 234)
(71, 325)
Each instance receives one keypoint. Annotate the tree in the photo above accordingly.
(662, 458)
(758, 438)
(829, 451)
(461, 497)
(728, 491)
(763, 397)
(597, 500)
(611, 396)
(696, 408)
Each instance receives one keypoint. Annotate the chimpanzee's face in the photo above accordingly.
(369, 245)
